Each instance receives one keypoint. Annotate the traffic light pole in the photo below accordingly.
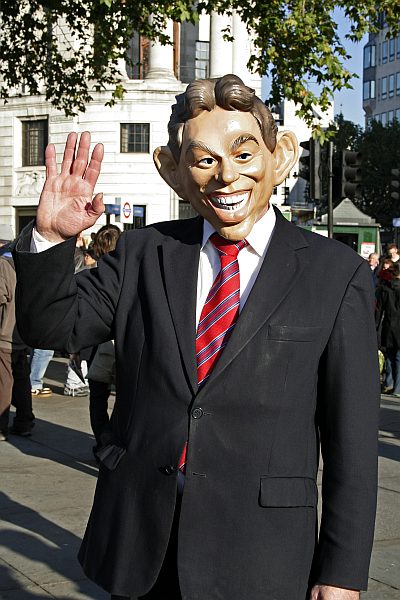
(330, 177)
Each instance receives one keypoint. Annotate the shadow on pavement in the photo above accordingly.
(60, 444)
(390, 431)
(51, 550)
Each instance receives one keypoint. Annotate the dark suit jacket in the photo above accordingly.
(299, 369)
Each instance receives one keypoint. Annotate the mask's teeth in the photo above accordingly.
(230, 202)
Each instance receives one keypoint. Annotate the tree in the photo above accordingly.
(297, 43)
(380, 147)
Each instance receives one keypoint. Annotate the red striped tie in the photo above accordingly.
(219, 313)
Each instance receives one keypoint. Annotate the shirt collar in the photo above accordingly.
(258, 237)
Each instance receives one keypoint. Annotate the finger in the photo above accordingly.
(69, 153)
(97, 206)
(50, 161)
(93, 170)
(82, 156)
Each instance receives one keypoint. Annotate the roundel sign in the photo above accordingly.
(127, 212)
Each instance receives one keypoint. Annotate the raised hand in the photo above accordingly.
(66, 205)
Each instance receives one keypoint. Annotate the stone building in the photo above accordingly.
(131, 129)
(381, 76)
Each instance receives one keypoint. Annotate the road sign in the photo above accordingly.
(126, 211)
(113, 209)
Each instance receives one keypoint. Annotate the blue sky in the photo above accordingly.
(349, 102)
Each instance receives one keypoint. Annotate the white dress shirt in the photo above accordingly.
(250, 258)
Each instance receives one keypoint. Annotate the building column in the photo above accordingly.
(161, 59)
(220, 50)
(241, 49)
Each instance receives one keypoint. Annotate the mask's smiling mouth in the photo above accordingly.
(231, 202)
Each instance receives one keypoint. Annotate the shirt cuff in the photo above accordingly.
(39, 243)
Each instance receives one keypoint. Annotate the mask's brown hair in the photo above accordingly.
(227, 92)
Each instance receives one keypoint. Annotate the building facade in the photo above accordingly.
(132, 129)
(381, 76)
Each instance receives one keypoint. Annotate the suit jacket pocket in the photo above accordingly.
(293, 333)
(288, 492)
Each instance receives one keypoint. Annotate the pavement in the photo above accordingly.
(47, 486)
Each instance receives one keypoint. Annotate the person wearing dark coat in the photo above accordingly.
(207, 489)
(388, 314)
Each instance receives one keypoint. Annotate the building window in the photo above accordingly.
(392, 42)
(137, 64)
(369, 57)
(369, 90)
(34, 142)
(135, 137)
(398, 114)
(398, 46)
(384, 52)
(384, 87)
(390, 116)
(384, 119)
(202, 60)
(391, 86)
(186, 210)
(398, 84)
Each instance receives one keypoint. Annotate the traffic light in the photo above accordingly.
(395, 184)
(310, 163)
(351, 174)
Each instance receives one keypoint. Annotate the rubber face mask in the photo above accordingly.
(226, 171)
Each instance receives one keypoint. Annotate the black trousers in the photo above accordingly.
(15, 389)
(167, 583)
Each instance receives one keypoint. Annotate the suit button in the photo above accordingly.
(197, 413)
(167, 469)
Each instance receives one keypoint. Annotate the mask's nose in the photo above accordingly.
(227, 172)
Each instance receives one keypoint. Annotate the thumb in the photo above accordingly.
(97, 207)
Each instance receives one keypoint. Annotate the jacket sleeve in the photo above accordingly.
(59, 310)
(348, 416)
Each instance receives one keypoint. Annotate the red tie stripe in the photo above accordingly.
(219, 313)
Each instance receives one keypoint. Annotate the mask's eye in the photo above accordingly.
(244, 156)
(207, 161)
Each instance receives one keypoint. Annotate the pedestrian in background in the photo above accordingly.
(388, 312)
(39, 361)
(15, 386)
(101, 375)
(393, 252)
(373, 261)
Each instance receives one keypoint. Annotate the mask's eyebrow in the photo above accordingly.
(196, 145)
(243, 139)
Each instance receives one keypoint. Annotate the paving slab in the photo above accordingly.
(47, 486)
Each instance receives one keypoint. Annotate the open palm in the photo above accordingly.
(66, 205)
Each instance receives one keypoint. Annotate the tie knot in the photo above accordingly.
(226, 246)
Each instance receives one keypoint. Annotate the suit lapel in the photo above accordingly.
(280, 271)
(180, 265)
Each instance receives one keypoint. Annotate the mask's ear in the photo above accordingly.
(286, 154)
(167, 167)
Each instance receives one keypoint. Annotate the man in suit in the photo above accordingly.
(207, 490)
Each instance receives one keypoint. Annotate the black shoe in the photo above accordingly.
(21, 432)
